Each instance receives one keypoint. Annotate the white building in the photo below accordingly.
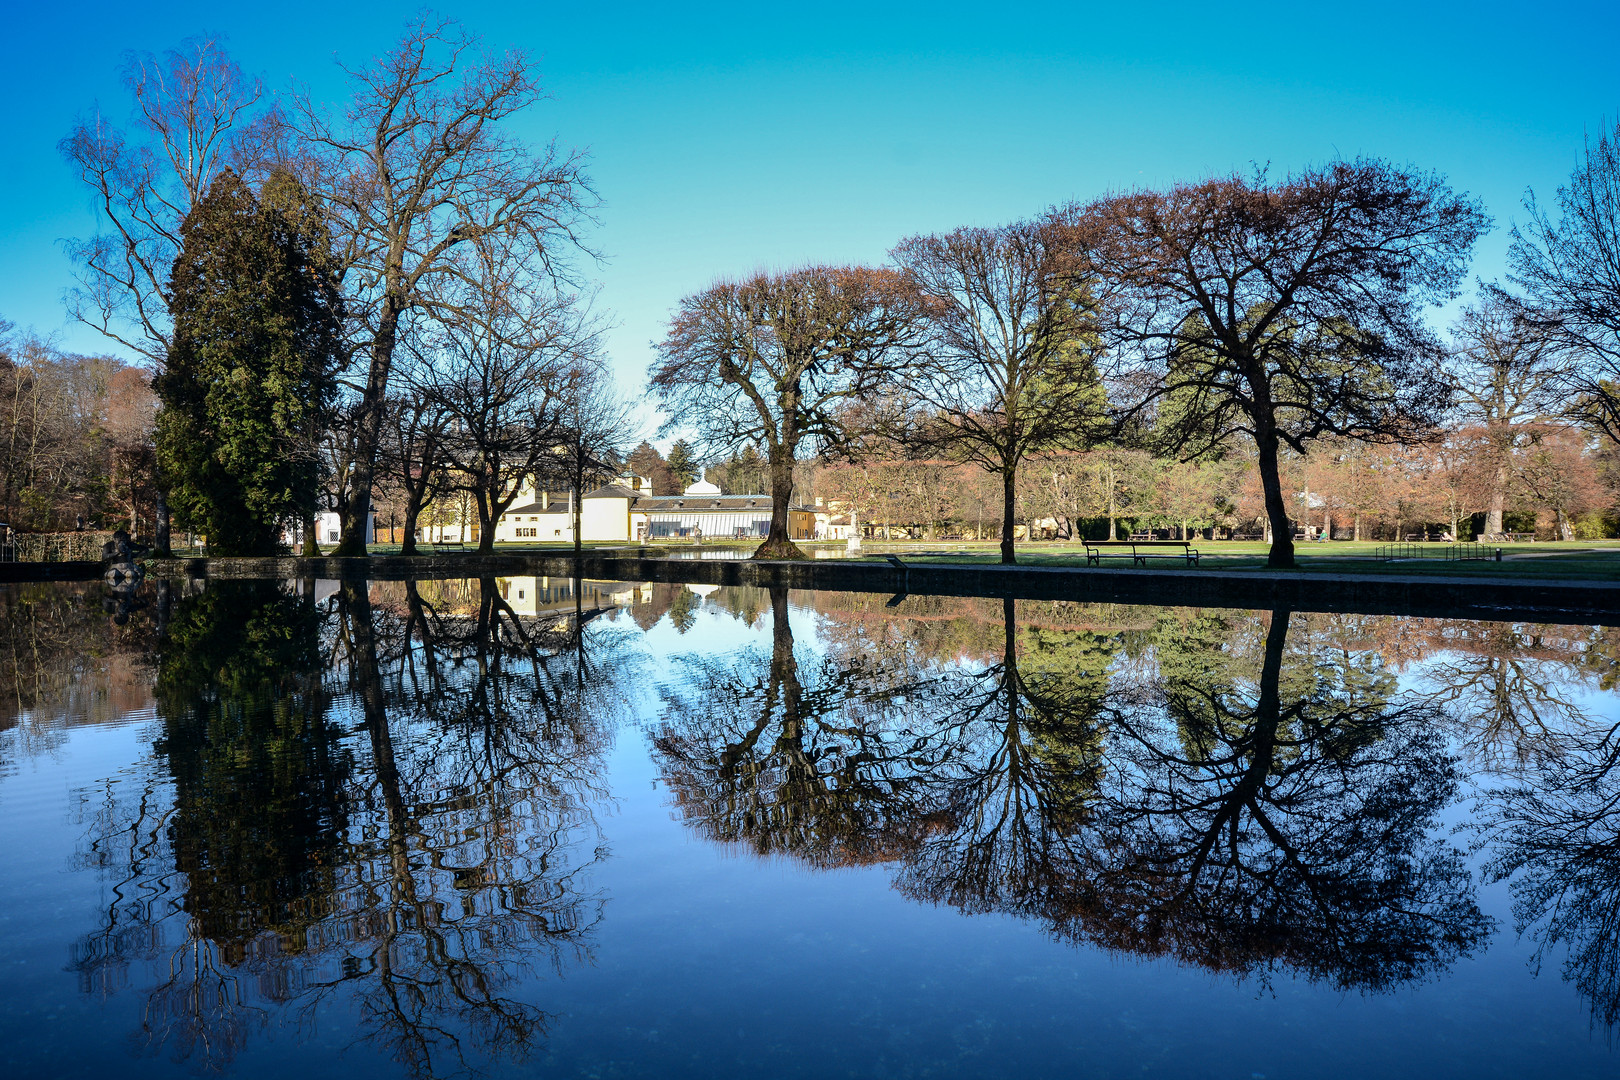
(548, 516)
(701, 512)
(542, 596)
(328, 529)
(626, 511)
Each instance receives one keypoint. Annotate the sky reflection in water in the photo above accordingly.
(504, 827)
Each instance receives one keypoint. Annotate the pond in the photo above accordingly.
(520, 826)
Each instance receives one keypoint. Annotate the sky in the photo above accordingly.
(725, 138)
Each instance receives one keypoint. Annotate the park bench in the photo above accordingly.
(1140, 551)
(445, 545)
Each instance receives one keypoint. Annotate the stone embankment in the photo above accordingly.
(1382, 594)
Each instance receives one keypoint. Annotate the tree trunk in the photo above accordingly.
(1282, 536)
(368, 432)
(488, 514)
(1009, 489)
(312, 539)
(160, 526)
(413, 510)
(163, 608)
(1268, 709)
(1009, 639)
(1112, 535)
(785, 686)
(366, 672)
(778, 545)
(576, 504)
(1493, 515)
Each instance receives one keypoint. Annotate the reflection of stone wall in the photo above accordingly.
(65, 662)
(1429, 595)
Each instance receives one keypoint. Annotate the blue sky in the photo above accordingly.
(727, 137)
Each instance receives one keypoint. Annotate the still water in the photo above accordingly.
(505, 827)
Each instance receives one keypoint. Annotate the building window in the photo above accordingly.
(332, 535)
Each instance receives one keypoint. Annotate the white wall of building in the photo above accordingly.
(328, 529)
(605, 519)
(551, 526)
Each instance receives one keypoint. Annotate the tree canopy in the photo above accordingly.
(1282, 311)
(778, 359)
(255, 316)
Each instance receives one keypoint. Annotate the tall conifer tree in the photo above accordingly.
(249, 374)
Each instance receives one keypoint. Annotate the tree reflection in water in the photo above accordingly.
(416, 871)
(1012, 813)
(811, 756)
(384, 803)
(1245, 808)
(1278, 817)
(1554, 833)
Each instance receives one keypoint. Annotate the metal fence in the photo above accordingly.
(1449, 552)
(54, 547)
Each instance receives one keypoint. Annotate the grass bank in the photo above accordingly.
(1593, 560)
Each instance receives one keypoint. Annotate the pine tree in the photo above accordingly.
(749, 471)
(248, 376)
(682, 465)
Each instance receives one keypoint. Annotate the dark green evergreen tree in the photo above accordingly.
(682, 464)
(249, 374)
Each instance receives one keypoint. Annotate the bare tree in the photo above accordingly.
(1506, 372)
(1571, 270)
(595, 425)
(75, 437)
(195, 115)
(192, 119)
(419, 164)
(504, 372)
(1284, 311)
(776, 360)
(414, 458)
(1013, 368)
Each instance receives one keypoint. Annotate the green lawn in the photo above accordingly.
(1587, 559)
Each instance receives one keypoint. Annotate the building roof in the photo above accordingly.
(538, 508)
(692, 503)
(612, 491)
(653, 503)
